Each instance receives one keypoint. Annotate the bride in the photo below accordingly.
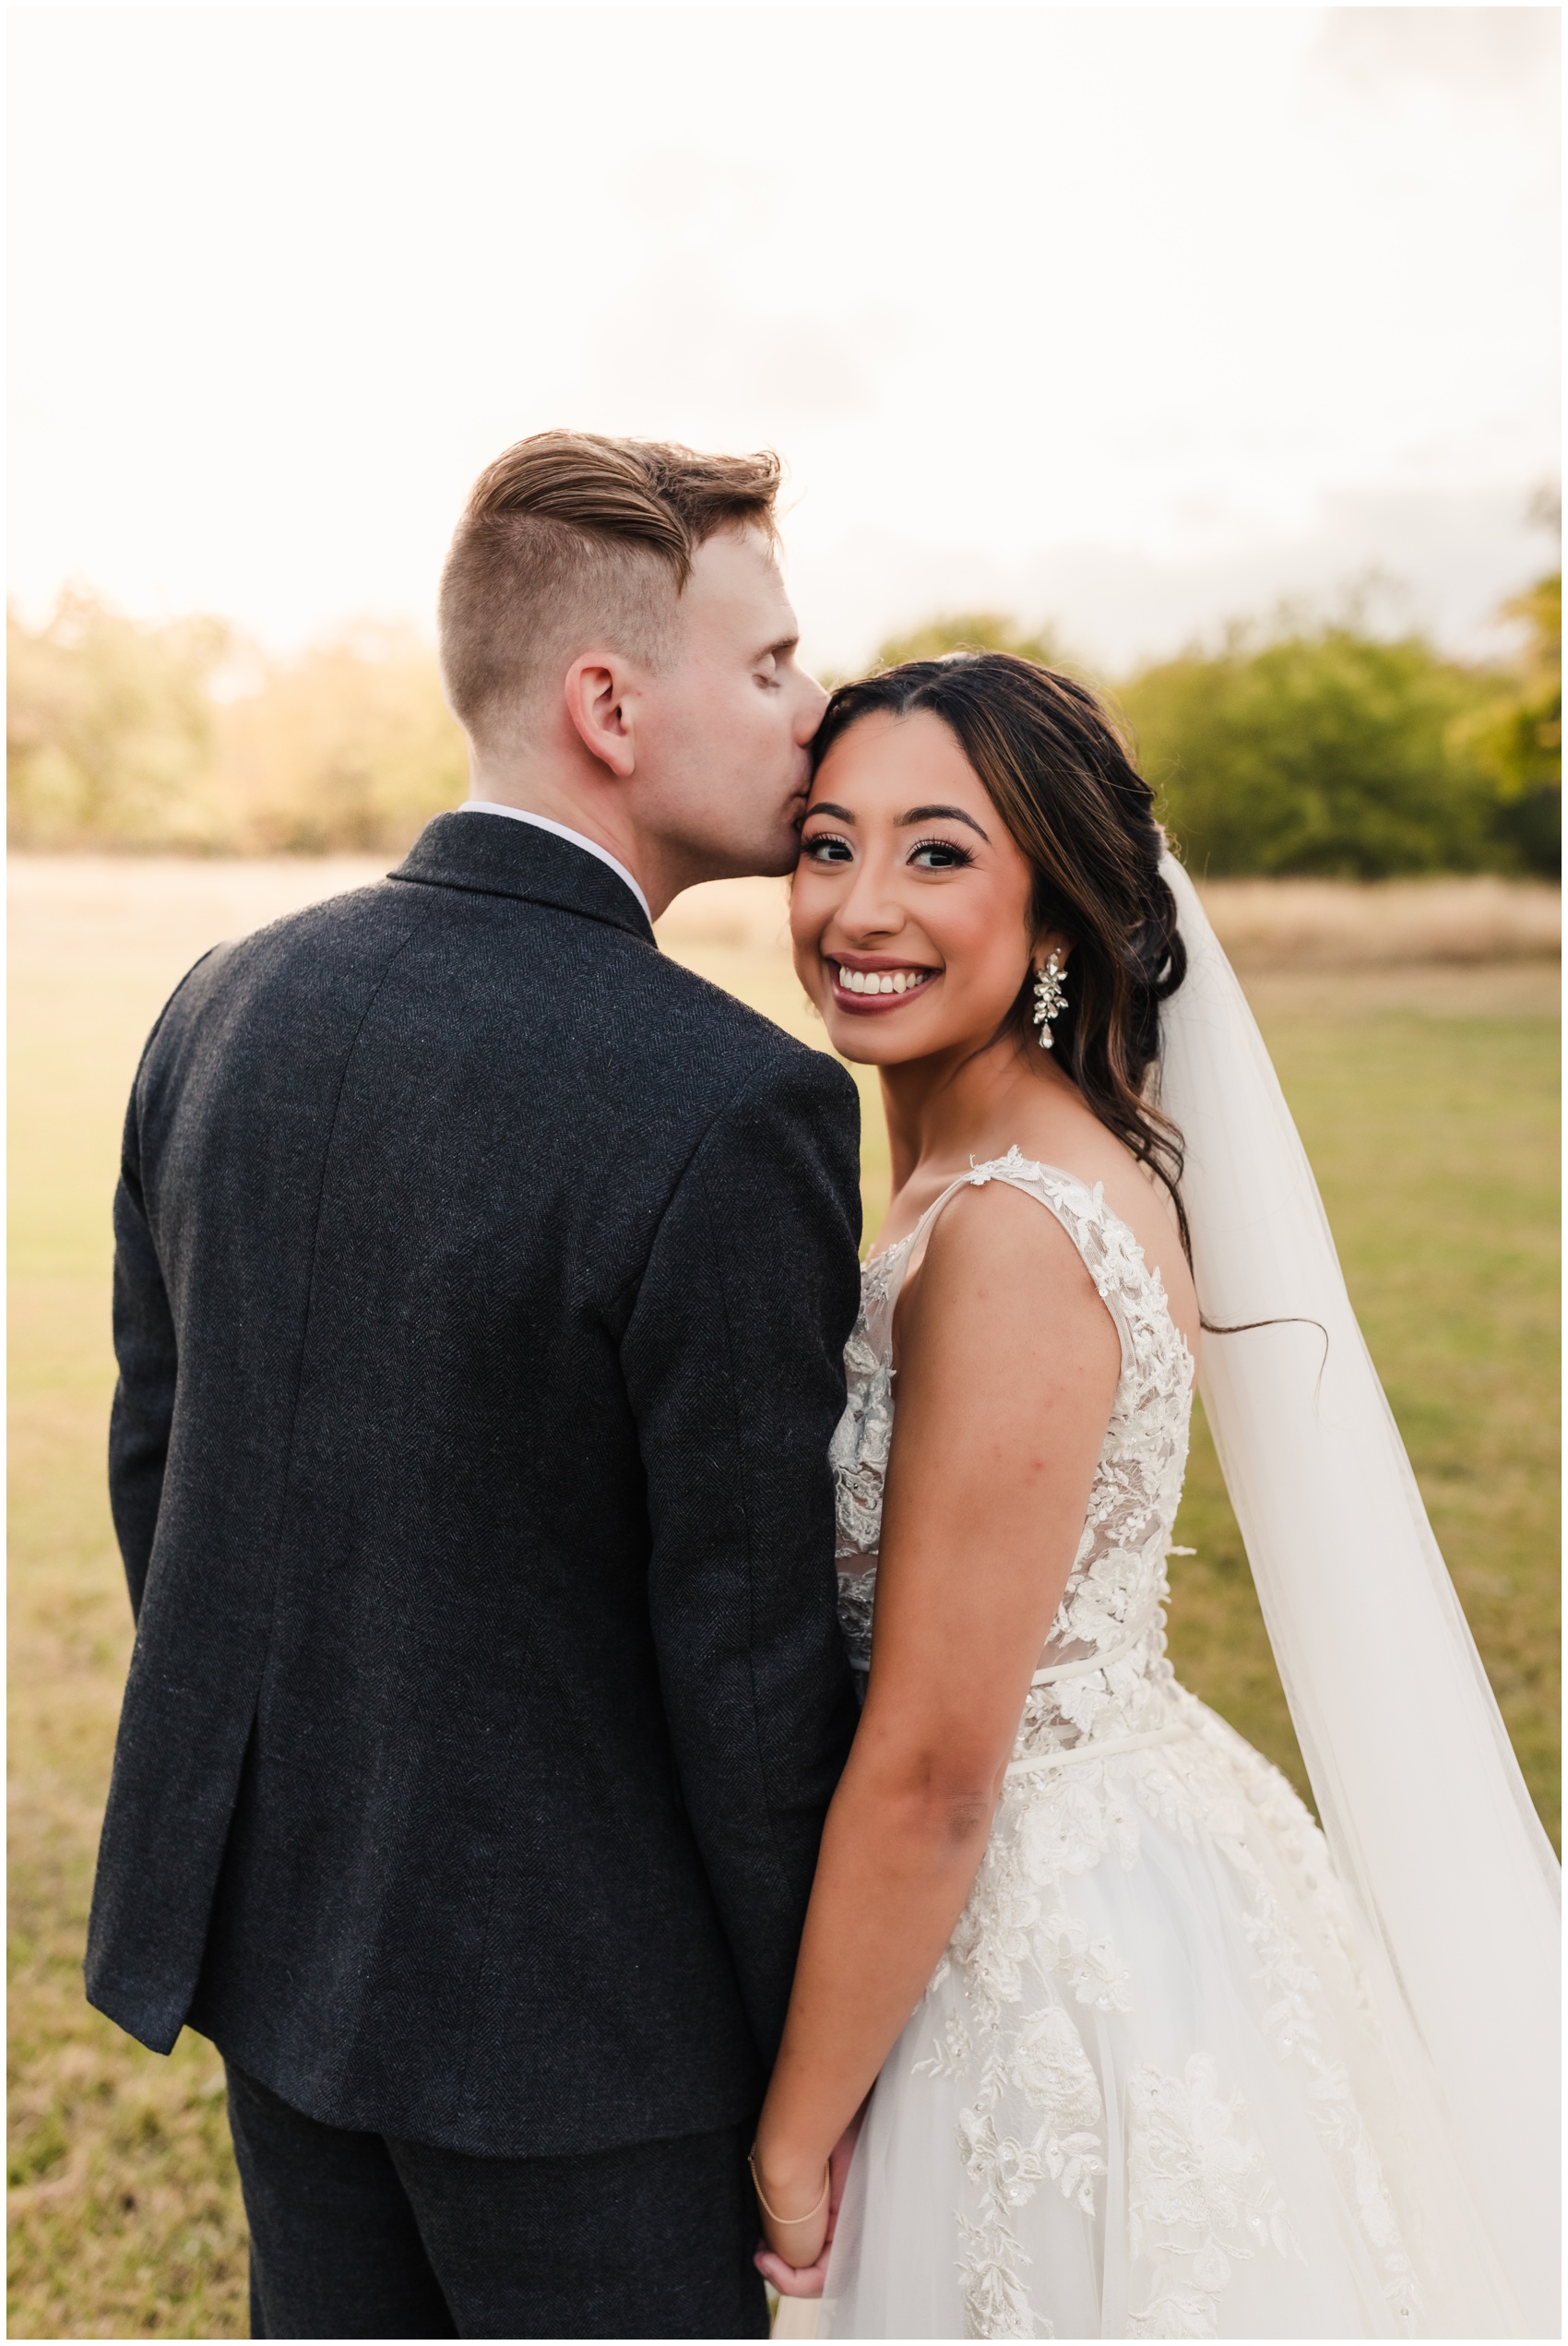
(1146, 2054)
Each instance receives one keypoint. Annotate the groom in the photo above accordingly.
(481, 1288)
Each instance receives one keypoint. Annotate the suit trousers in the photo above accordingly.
(368, 2235)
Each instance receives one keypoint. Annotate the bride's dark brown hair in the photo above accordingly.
(1059, 775)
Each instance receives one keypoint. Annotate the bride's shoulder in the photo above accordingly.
(992, 1249)
(1084, 1168)
(1001, 1293)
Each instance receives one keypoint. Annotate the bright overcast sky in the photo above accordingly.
(1131, 318)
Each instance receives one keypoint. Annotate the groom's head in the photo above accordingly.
(616, 636)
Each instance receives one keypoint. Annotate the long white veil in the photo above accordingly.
(1453, 1884)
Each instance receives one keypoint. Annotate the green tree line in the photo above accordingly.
(1297, 747)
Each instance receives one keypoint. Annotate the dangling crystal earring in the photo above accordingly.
(1051, 994)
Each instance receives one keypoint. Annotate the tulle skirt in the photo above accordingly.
(1144, 2095)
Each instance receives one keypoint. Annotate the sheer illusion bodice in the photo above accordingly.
(1102, 1673)
(1140, 2095)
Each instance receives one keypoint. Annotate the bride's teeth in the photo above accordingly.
(880, 980)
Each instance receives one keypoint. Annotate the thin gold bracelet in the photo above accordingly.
(756, 2186)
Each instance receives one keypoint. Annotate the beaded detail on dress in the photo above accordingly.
(1103, 1672)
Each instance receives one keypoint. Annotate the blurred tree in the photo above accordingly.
(111, 728)
(349, 746)
(970, 631)
(1324, 750)
(126, 735)
(1517, 737)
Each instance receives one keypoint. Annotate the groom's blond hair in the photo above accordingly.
(569, 539)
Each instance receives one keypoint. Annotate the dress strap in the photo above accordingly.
(1052, 1187)
(922, 1228)
(1079, 1210)
(910, 1244)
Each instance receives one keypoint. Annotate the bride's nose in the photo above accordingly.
(872, 908)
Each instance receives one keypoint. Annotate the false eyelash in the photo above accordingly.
(953, 847)
(826, 839)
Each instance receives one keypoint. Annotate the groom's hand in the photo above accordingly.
(809, 2281)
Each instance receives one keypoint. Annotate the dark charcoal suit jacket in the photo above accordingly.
(480, 1289)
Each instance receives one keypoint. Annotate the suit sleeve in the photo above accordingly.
(143, 1411)
(733, 1356)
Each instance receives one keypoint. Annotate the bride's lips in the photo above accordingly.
(868, 985)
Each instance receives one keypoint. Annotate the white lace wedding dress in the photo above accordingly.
(1142, 2095)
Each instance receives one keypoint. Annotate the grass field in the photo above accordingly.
(1427, 1096)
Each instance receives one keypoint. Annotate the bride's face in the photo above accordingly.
(910, 906)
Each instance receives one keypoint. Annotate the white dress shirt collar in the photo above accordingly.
(562, 830)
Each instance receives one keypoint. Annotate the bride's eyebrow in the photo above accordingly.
(825, 807)
(930, 815)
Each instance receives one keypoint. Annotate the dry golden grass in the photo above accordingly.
(1426, 1094)
(1327, 925)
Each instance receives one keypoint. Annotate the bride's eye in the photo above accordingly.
(828, 847)
(939, 856)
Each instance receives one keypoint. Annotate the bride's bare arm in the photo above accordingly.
(1009, 1366)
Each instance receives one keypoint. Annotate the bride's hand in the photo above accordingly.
(792, 2281)
(795, 2254)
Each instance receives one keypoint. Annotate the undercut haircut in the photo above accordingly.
(569, 539)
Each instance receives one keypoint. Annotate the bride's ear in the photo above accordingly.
(601, 695)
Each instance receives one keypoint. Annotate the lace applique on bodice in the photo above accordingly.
(1103, 1673)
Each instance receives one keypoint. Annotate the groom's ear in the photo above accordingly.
(601, 697)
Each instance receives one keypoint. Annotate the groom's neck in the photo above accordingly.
(575, 809)
(604, 811)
